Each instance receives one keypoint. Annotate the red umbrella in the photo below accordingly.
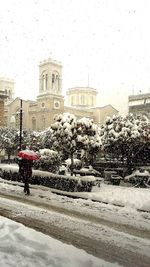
(28, 154)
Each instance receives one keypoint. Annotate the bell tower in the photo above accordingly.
(50, 77)
(50, 100)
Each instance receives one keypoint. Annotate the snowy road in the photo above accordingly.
(105, 231)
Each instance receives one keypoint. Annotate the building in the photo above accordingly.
(39, 114)
(81, 97)
(139, 104)
(7, 87)
(3, 97)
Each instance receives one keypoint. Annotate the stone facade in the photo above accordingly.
(7, 86)
(12, 113)
(84, 97)
(39, 114)
(3, 96)
(101, 113)
(140, 104)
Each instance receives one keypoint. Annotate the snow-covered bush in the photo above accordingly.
(46, 138)
(9, 140)
(48, 179)
(88, 140)
(126, 137)
(70, 136)
(76, 163)
(32, 140)
(65, 135)
(49, 160)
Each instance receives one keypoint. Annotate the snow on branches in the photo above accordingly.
(71, 135)
(125, 136)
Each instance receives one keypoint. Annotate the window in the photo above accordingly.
(53, 78)
(147, 100)
(43, 122)
(34, 124)
(46, 80)
(43, 82)
(136, 102)
(82, 99)
(72, 100)
(56, 104)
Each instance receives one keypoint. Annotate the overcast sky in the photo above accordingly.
(107, 40)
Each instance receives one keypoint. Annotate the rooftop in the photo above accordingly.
(4, 79)
(50, 60)
(84, 88)
(139, 96)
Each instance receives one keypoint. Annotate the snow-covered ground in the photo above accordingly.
(112, 223)
(129, 197)
(21, 246)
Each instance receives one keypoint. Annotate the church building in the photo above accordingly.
(39, 115)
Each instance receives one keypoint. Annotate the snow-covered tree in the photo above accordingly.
(71, 136)
(35, 141)
(64, 135)
(31, 139)
(88, 139)
(49, 160)
(126, 136)
(9, 140)
(46, 138)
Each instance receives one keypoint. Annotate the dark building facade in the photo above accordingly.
(140, 104)
(3, 96)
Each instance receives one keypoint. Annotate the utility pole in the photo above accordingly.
(20, 138)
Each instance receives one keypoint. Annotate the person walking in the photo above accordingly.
(25, 171)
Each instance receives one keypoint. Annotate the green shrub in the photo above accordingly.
(60, 182)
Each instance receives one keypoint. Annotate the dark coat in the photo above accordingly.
(25, 168)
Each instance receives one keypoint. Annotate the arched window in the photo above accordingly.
(53, 78)
(43, 82)
(46, 81)
(72, 100)
(55, 82)
(33, 123)
(43, 120)
(82, 100)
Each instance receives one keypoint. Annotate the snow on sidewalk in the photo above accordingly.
(21, 246)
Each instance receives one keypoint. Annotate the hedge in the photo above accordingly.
(56, 181)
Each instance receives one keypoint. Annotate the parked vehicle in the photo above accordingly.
(111, 177)
(139, 178)
(87, 170)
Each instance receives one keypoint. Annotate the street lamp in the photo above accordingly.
(20, 137)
